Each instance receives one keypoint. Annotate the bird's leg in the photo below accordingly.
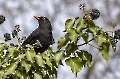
(37, 44)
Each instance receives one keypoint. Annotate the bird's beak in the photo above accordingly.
(37, 17)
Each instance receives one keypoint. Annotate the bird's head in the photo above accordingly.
(43, 22)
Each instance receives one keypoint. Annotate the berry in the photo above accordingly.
(95, 14)
(11, 44)
(82, 6)
(7, 36)
(17, 28)
(117, 34)
(14, 33)
(2, 19)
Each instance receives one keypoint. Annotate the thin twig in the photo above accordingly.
(18, 41)
(94, 46)
(86, 42)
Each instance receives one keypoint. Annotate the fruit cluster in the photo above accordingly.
(15, 31)
(93, 15)
(2, 19)
(7, 36)
(117, 34)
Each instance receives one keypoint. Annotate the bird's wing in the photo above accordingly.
(31, 39)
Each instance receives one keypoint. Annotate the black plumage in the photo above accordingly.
(41, 38)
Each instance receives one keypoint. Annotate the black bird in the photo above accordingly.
(41, 38)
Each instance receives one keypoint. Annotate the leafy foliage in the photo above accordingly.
(80, 28)
(23, 63)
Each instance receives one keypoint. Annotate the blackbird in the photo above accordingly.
(41, 38)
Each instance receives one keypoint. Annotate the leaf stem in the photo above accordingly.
(89, 44)
(94, 46)
(86, 42)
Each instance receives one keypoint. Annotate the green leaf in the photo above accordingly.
(75, 63)
(100, 39)
(49, 50)
(59, 55)
(26, 64)
(69, 24)
(11, 68)
(40, 60)
(17, 72)
(23, 73)
(1, 74)
(30, 53)
(113, 43)
(71, 48)
(46, 76)
(37, 76)
(6, 61)
(13, 51)
(50, 53)
(3, 46)
(20, 57)
(63, 41)
(73, 35)
(44, 72)
(105, 50)
(47, 59)
(114, 47)
(36, 66)
(93, 29)
(0, 63)
(84, 55)
(85, 37)
(81, 25)
(1, 59)
(50, 70)
(5, 64)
